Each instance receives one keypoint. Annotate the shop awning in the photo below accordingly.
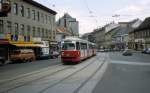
(26, 45)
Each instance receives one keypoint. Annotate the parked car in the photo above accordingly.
(146, 51)
(101, 50)
(23, 55)
(127, 52)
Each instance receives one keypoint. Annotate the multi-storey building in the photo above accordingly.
(70, 23)
(27, 21)
(141, 35)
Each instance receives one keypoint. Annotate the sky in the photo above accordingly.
(93, 14)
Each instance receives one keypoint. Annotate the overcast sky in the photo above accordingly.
(96, 13)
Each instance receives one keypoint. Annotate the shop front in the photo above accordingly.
(5, 47)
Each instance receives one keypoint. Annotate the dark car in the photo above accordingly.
(127, 52)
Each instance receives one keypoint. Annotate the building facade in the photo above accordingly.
(141, 35)
(27, 21)
(70, 23)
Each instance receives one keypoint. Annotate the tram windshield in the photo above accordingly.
(68, 46)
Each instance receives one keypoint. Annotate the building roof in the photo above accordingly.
(144, 25)
(41, 6)
(121, 31)
(62, 30)
(112, 30)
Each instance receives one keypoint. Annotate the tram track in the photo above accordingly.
(93, 74)
(30, 81)
(34, 80)
(25, 75)
(60, 81)
(90, 62)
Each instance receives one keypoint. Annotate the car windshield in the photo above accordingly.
(68, 46)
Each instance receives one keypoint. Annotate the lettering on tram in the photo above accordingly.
(75, 50)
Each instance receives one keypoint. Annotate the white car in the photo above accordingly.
(54, 54)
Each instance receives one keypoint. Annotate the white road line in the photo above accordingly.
(130, 63)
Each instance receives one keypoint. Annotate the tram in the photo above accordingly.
(75, 50)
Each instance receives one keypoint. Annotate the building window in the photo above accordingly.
(15, 8)
(33, 14)
(16, 29)
(22, 32)
(1, 26)
(38, 16)
(148, 32)
(145, 34)
(49, 20)
(46, 19)
(33, 32)
(9, 30)
(28, 30)
(38, 32)
(42, 32)
(22, 10)
(42, 17)
(47, 33)
(28, 12)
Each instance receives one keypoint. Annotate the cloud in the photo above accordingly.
(138, 10)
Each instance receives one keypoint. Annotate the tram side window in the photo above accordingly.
(77, 45)
(90, 46)
(83, 46)
(93, 46)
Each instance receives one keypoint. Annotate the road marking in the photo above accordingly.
(130, 63)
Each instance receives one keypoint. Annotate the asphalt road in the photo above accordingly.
(136, 57)
(11, 70)
(79, 78)
(133, 76)
(108, 72)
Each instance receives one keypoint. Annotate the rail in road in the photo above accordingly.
(56, 79)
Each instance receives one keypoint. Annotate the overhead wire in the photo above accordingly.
(90, 11)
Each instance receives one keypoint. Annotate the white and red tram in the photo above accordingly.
(74, 50)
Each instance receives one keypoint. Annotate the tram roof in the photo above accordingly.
(76, 39)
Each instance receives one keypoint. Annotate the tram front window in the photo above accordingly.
(68, 46)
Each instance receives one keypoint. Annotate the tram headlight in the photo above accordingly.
(62, 53)
(78, 53)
